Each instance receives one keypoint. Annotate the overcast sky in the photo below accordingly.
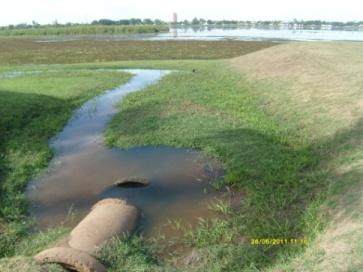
(46, 11)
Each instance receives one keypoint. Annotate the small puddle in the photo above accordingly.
(84, 171)
(16, 74)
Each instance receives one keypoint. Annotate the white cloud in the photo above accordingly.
(46, 11)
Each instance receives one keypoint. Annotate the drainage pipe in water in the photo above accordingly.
(108, 218)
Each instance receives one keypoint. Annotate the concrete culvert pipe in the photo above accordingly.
(108, 218)
(71, 259)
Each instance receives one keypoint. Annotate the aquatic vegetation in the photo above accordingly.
(83, 30)
(31, 51)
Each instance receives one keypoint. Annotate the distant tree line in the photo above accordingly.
(132, 21)
(308, 24)
(104, 22)
(104, 26)
(201, 21)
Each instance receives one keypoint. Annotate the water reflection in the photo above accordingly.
(229, 32)
(84, 170)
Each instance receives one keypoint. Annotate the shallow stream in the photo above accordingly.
(83, 171)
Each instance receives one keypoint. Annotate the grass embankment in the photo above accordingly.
(21, 51)
(33, 108)
(286, 122)
(82, 30)
(288, 128)
(319, 92)
(216, 111)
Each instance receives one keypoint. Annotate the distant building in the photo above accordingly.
(297, 26)
(284, 25)
(175, 18)
(327, 27)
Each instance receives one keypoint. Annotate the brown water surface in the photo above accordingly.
(83, 171)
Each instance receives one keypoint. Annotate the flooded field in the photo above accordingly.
(108, 48)
(16, 74)
(259, 34)
(223, 33)
(84, 170)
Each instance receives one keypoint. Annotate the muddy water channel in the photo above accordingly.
(83, 171)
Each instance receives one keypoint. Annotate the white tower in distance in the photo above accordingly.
(175, 18)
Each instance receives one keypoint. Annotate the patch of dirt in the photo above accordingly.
(338, 246)
(235, 199)
(192, 259)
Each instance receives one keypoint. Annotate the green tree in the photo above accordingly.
(195, 21)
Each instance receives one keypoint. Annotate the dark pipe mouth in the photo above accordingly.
(133, 182)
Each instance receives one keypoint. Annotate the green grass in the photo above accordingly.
(299, 164)
(288, 172)
(214, 110)
(33, 108)
(28, 247)
(129, 254)
(324, 102)
(82, 30)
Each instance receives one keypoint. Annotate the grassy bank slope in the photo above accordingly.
(317, 88)
(26, 51)
(319, 84)
(33, 108)
(215, 110)
(286, 122)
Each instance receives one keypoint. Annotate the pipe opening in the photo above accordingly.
(133, 182)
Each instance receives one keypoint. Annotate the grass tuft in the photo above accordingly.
(33, 108)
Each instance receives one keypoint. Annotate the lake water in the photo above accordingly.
(243, 34)
(259, 34)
